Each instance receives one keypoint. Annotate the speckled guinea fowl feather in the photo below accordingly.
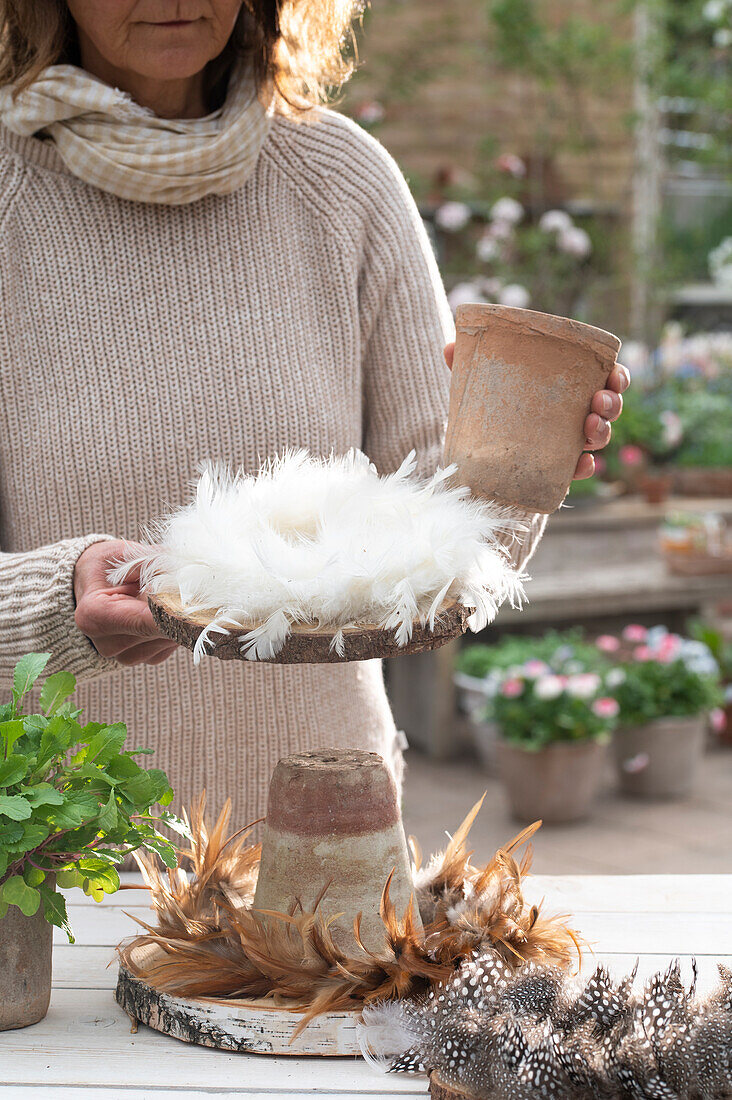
(531, 1033)
(212, 944)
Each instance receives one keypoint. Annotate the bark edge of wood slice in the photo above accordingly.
(440, 1091)
(244, 1027)
(305, 645)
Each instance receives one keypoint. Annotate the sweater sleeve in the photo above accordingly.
(405, 323)
(37, 610)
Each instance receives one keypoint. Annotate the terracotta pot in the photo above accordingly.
(557, 784)
(660, 759)
(656, 487)
(520, 391)
(25, 968)
(333, 820)
(702, 481)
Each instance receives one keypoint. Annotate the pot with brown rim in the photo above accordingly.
(26, 945)
(334, 830)
(521, 387)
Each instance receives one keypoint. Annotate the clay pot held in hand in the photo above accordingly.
(333, 821)
(521, 388)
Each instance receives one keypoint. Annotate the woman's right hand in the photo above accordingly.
(116, 618)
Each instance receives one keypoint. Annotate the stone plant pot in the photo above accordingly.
(334, 824)
(557, 784)
(660, 759)
(25, 968)
(521, 387)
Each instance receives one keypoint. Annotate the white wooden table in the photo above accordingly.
(85, 1046)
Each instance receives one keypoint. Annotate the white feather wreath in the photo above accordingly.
(327, 542)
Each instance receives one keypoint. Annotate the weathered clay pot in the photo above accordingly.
(656, 488)
(660, 759)
(557, 784)
(333, 820)
(521, 388)
(25, 968)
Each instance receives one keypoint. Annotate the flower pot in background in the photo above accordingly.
(522, 383)
(25, 968)
(660, 759)
(557, 784)
(656, 487)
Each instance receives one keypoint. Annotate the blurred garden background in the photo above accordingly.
(576, 158)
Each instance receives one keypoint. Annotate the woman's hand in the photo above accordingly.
(116, 618)
(606, 406)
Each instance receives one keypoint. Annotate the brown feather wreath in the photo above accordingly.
(213, 944)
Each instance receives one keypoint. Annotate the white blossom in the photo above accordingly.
(584, 686)
(487, 249)
(575, 242)
(507, 210)
(548, 687)
(720, 262)
(453, 216)
(715, 10)
(514, 295)
(723, 37)
(615, 677)
(555, 221)
(465, 293)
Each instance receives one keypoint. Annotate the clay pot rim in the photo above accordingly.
(478, 314)
(559, 746)
(669, 719)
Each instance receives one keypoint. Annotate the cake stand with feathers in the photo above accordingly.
(278, 948)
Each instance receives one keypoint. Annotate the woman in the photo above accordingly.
(197, 262)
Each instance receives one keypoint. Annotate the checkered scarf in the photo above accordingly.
(108, 140)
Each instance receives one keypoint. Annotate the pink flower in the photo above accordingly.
(607, 643)
(643, 653)
(584, 685)
(509, 162)
(535, 667)
(630, 455)
(634, 632)
(635, 764)
(718, 720)
(607, 707)
(512, 688)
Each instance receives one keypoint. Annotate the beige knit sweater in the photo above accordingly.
(303, 309)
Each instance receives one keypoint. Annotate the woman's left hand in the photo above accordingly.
(606, 406)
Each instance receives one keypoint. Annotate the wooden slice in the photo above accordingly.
(306, 645)
(253, 1027)
(440, 1091)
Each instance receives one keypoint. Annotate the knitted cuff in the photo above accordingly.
(37, 609)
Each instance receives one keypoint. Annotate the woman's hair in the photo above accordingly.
(303, 49)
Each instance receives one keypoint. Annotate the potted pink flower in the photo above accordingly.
(666, 687)
(553, 731)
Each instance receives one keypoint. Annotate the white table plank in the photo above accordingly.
(85, 1045)
(577, 894)
(624, 931)
(86, 1039)
(76, 967)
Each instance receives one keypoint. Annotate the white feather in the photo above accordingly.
(329, 543)
(384, 1033)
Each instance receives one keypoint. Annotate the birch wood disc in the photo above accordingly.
(252, 1027)
(306, 645)
(440, 1091)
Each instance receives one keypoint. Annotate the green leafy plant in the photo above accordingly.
(73, 801)
(557, 648)
(651, 690)
(535, 711)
